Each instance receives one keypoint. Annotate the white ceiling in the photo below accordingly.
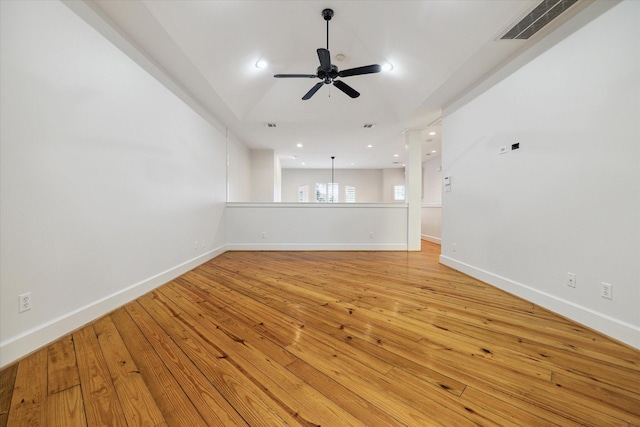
(438, 50)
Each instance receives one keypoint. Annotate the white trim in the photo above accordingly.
(29, 341)
(431, 239)
(315, 205)
(316, 247)
(432, 205)
(622, 331)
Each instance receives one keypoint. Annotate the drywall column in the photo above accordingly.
(413, 187)
(263, 175)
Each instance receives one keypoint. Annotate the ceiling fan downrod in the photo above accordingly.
(327, 14)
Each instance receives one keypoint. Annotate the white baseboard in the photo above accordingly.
(316, 247)
(431, 239)
(21, 345)
(614, 328)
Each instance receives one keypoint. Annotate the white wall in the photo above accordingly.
(311, 226)
(238, 165)
(432, 200)
(108, 180)
(391, 178)
(265, 176)
(569, 199)
(262, 175)
(368, 183)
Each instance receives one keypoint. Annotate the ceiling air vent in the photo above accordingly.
(269, 125)
(368, 125)
(544, 13)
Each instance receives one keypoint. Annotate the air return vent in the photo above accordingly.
(544, 13)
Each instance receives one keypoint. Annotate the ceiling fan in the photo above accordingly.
(327, 72)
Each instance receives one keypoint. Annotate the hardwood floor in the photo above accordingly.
(326, 339)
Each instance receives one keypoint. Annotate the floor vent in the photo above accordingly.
(544, 13)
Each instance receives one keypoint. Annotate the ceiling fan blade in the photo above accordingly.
(312, 91)
(346, 88)
(325, 59)
(294, 76)
(367, 69)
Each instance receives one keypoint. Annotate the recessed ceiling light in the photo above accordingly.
(303, 163)
(432, 133)
(261, 63)
(396, 155)
(294, 157)
(352, 164)
(299, 145)
(433, 151)
(369, 146)
(386, 66)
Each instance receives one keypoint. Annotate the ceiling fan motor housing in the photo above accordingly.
(327, 14)
(328, 76)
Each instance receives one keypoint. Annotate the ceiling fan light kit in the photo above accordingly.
(328, 73)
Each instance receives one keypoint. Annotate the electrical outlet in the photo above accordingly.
(571, 280)
(371, 235)
(25, 302)
(607, 290)
(502, 150)
(264, 235)
(195, 246)
(454, 247)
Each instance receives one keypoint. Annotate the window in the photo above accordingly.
(334, 192)
(349, 194)
(398, 192)
(303, 193)
(327, 193)
(321, 193)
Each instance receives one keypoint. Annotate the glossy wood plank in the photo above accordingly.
(66, 408)
(198, 389)
(101, 403)
(334, 338)
(62, 368)
(285, 389)
(246, 397)
(7, 381)
(29, 400)
(138, 404)
(164, 388)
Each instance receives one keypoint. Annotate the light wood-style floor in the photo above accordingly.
(326, 339)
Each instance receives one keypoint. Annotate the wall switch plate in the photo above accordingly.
(607, 290)
(571, 280)
(25, 302)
